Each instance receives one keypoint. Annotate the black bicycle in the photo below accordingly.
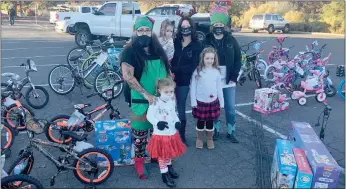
(326, 113)
(91, 166)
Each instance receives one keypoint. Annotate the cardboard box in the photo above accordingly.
(304, 173)
(269, 100)
(115, 136)
(325, 169)
(284, 166)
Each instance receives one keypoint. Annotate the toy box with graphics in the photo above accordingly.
(269, 100)
(284, 166)
(115, 137)
(325, 169)
(304, 173)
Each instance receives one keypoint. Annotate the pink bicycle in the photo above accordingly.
(279, 53)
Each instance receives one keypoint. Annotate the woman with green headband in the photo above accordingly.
(229, 57)
(143, 62)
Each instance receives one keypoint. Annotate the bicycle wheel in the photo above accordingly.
(15, 119)
(268, 73)
(100, 162)
(32, 95)
(53, 132)
(261, 66)
(61, 85)
(341, 89)
(7, 138)
(86, 66)
(108, 79)
(12, 182)
(77, 51)
(22, 165)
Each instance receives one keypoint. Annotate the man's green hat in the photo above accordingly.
(219, 13)
(143, 21)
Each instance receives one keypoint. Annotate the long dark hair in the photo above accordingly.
(155, 49)
(193, 27)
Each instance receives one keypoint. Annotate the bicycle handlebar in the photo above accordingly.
(248, 45)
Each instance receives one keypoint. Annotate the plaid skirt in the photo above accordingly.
(207, 110)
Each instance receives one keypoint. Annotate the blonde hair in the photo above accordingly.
(201, 60)
(164, 26)
(165, 82)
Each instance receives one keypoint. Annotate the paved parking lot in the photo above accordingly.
(227, 166)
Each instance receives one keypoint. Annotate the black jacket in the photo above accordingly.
(185, 61)
(232, 52)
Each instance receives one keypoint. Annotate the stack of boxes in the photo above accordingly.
(312, 167)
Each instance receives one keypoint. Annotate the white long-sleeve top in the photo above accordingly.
(163, 111)
(206, 87)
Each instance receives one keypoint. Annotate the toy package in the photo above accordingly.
(269, 100)
(115, 136)
(325, 169)
(304, 173)
(284, 166)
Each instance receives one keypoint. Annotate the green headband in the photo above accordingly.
(143, 21)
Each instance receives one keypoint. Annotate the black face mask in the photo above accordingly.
(218, 30)
(186, 31)
(142, 41)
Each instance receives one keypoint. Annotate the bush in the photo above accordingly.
(294, 16)
(333, 14)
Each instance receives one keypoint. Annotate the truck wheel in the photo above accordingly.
(200, 36)
(286, 29)
(270, 29)
(82, 36)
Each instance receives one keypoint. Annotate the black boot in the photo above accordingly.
(182, 132)
(172, 172)
(168, 180)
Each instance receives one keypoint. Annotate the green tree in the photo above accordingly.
(333, 14)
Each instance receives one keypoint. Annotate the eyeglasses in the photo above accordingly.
(142, 31)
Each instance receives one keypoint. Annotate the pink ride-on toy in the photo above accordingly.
(312, 84)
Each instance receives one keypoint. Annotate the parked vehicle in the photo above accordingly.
(112, 18)
(269, 22)
(58, 16)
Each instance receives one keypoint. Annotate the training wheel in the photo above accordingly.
(321, 97)
(302, 101)
(293, 97)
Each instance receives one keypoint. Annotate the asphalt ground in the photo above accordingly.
(246, 164)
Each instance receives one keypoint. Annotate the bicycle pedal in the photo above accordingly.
(52, 181)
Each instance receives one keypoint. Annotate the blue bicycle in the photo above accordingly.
(341, 89)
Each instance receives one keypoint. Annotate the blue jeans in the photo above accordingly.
(181, 93)
(229, 96)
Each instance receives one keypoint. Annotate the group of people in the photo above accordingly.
(160, 72)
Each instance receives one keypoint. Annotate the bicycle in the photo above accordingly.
(278, 53)
(24, 163)
(77, 75)
(341, 89)
(7, 137)
(326, 113)
(12, 111)
(248, 66)
(80, 119)
(13, 83)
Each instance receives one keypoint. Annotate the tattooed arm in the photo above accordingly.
(128, 75)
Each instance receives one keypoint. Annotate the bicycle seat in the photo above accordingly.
(74, 136)
(81, 106)
(251, 57)
(74, 58)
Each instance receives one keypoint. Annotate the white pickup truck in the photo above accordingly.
(115, 18)
(59, 16)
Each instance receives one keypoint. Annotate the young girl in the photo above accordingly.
(166, 37)
(206, 96)
(165, 143)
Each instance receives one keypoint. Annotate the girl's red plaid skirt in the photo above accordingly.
(207, 110)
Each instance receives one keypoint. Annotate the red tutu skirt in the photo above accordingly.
(165, 147)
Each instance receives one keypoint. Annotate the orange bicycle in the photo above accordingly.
(80, 119)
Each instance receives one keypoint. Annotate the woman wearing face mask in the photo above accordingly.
(143, 61)
(184, 62)
(229, 57)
